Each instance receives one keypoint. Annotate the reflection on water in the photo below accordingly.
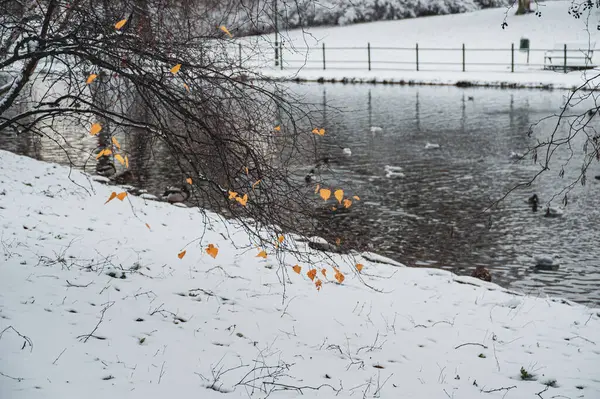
(435, 215)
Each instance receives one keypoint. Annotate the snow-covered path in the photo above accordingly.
(393, 49)
(216, 328)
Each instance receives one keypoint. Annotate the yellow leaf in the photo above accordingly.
(126, 162)
(320, 132)
(359, 267)
(104, 152)
(115, 142)
(212, 250)
(186, 87)
(121, 196)
(325, 193)
(324, 272)
(347, 203)
(91, 78)
(247, 171)
(95, 129)
(120, 24)
(277, 128)
(333, 208)
(297, 269)
(242, 200)
(317, 188)
(312, 273)
(232, 194)
(119, 158)
(280, 239)
(318, 284)
(339, 195)
(256, 184)
(148, 226)
(356, 197)
(339, 277)
(189, 180)
(181, 254)
(112, 197)
(338, 241)
(262, 254)
(224, 29)
(175, 69)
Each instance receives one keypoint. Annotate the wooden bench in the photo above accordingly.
(578, 56)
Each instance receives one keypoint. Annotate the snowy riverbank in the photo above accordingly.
(393, 54)
(197, 325)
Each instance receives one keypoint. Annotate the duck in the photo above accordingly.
(553, 212)
(515, 155)
(546, 262)
(482, 273)
(347, 151)
(597, 177)
(376, 129)
(174, 195)
(431, 146)
(470, 98)
(310, 176)
(533, 201)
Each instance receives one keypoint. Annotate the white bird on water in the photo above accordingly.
(376, 129)
(431, 146)
(393, 171)
(347, 151)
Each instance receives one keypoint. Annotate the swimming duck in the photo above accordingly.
(393, 171)
(347, 151)
(376, 129)
(309, 177)
(553, 212)
(597, 177)
(174, 195)
(482, 273)
(546, 262)
(533, 201)
(431, 146)
(515, 155)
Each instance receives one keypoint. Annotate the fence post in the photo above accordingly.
(240, 50)
(369, 54)
(512, 57)
(281, 55)
(417, 52)
(463, 56)
(323, 55)
(565, 64)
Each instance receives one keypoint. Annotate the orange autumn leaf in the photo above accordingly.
(318, 284)
(312, 273)
(359, 267)
(95, 129)
(175, 69)
(121, 196)
(119, 158)
(333, 208)
(280, 239)
(356, 197)
(347, 203)
(339, 195)
(262, 254)
(297, 269)
(338, 241)
(126, 162)
(91, 78)
(112, 197)
(188, 180)
(324, 272)
(186, 87)
(317, 188)
(224, 29)
(247, 170)
(325, 193)
(115, 142)
(181, 254)
(277, 128)
(212, 250)
(232, 194)
(120, 24)
(104, 152)
(148, 226)
(256, 184)
(339, 277)
(320, 132)
(242, 200)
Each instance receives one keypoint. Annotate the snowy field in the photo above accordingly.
(95, 304)
(440, 40)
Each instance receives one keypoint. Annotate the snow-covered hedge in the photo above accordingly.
(258, 17)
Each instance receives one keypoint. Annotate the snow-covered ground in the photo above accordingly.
(95, 304)
(393, 49)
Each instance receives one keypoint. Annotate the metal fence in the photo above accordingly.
(562, 58)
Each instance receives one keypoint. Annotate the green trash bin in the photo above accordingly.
(524, 44)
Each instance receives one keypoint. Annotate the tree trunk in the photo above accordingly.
(522, 9)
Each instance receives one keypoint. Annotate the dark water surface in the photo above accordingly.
(434, 215)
